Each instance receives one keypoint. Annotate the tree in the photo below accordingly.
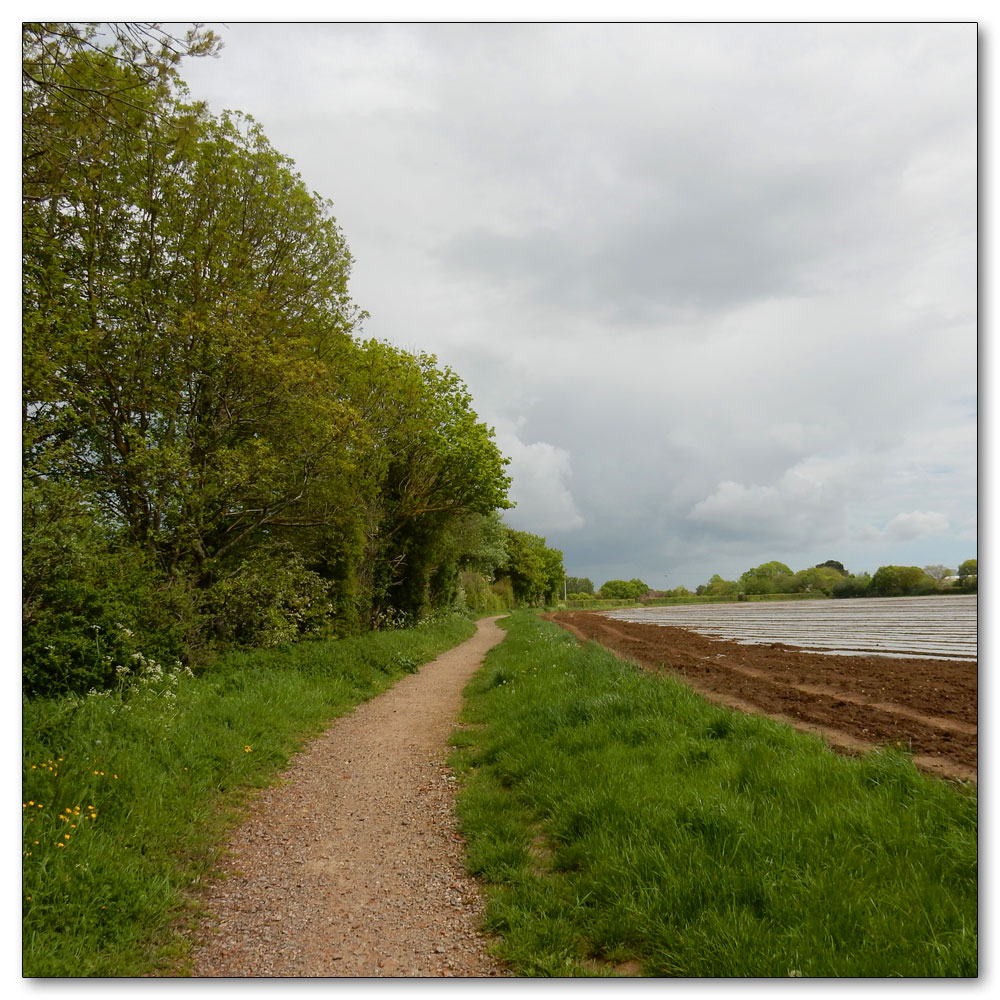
(968, 569)
(939, 572)
(833, 564)
(898, 581)
(534, 570)
(181, 288)
(579, 585)
(429, 464)
(89, 84)
(624, 590)
(194, 400)
(768, 578)
(820, 579)
(717, 587)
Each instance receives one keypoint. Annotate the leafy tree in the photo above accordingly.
(579, 585)
(197, 411)
(87, 83)
(430, 466)
(820, 579)
(898, 581)
(969, 568)
(180, 291)
(833, 564)
(624, 590)
(768, 578)
(534, 570)
(718, 587)
(853, 586)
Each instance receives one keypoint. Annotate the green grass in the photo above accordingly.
(138, 788)
(616, 817)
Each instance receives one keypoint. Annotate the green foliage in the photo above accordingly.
(898, 581)
(619, 818)
(534, 571)
(89, 601)
(820, 580)
(139, 784)
(833, 564)
(270, 598)
(717, 587)
(217, 457)
(624, 590)
(579, 585)
(768, 578)
(853, 586)
(968, 568)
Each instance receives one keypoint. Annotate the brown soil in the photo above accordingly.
(854, 702)
(351, 866)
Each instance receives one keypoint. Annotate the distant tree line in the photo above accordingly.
(831, 579)
(827, 579)
(212, 454)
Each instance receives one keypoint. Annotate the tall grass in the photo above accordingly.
(617, 818)
(128, 795)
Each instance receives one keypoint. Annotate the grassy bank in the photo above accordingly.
(623, 824)
(128, 795)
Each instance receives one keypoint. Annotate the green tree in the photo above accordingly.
(853, 586)
(833, 564)
(718, 587)
(181, 289)
(534, 570)
(819, 579)
(430, 465)
(899, 581)
(969, 568)
(624, 590)
(195, 402)
(768, 578)
(579, 585)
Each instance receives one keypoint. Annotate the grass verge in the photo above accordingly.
(128, 795)
(624, 825)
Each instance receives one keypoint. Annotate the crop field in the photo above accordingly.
(859, 673)
(933, 627)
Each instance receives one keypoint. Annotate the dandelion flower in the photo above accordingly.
(247, 749)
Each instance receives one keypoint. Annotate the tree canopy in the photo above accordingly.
(199, 406)
(624, 590)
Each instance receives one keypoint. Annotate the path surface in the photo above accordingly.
(351, 866)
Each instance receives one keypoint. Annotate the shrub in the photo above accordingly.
(271, 598)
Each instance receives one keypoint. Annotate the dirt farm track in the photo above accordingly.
(854, 701)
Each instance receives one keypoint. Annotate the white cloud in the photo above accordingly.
(540, 489)
(714, 283)
(911, 525)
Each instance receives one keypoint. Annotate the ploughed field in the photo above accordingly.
(857, 672)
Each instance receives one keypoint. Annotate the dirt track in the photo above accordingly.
(351, 867)
(855, 702)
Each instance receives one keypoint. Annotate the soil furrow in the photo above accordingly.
(855, 702)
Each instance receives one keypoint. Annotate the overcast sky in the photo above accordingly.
(714, 285)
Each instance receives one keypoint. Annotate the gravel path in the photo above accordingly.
(351, 867)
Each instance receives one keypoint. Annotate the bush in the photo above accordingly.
(271, 598)
(85, 597)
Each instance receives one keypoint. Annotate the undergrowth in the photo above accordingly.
(624, 825)
(127, 795)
